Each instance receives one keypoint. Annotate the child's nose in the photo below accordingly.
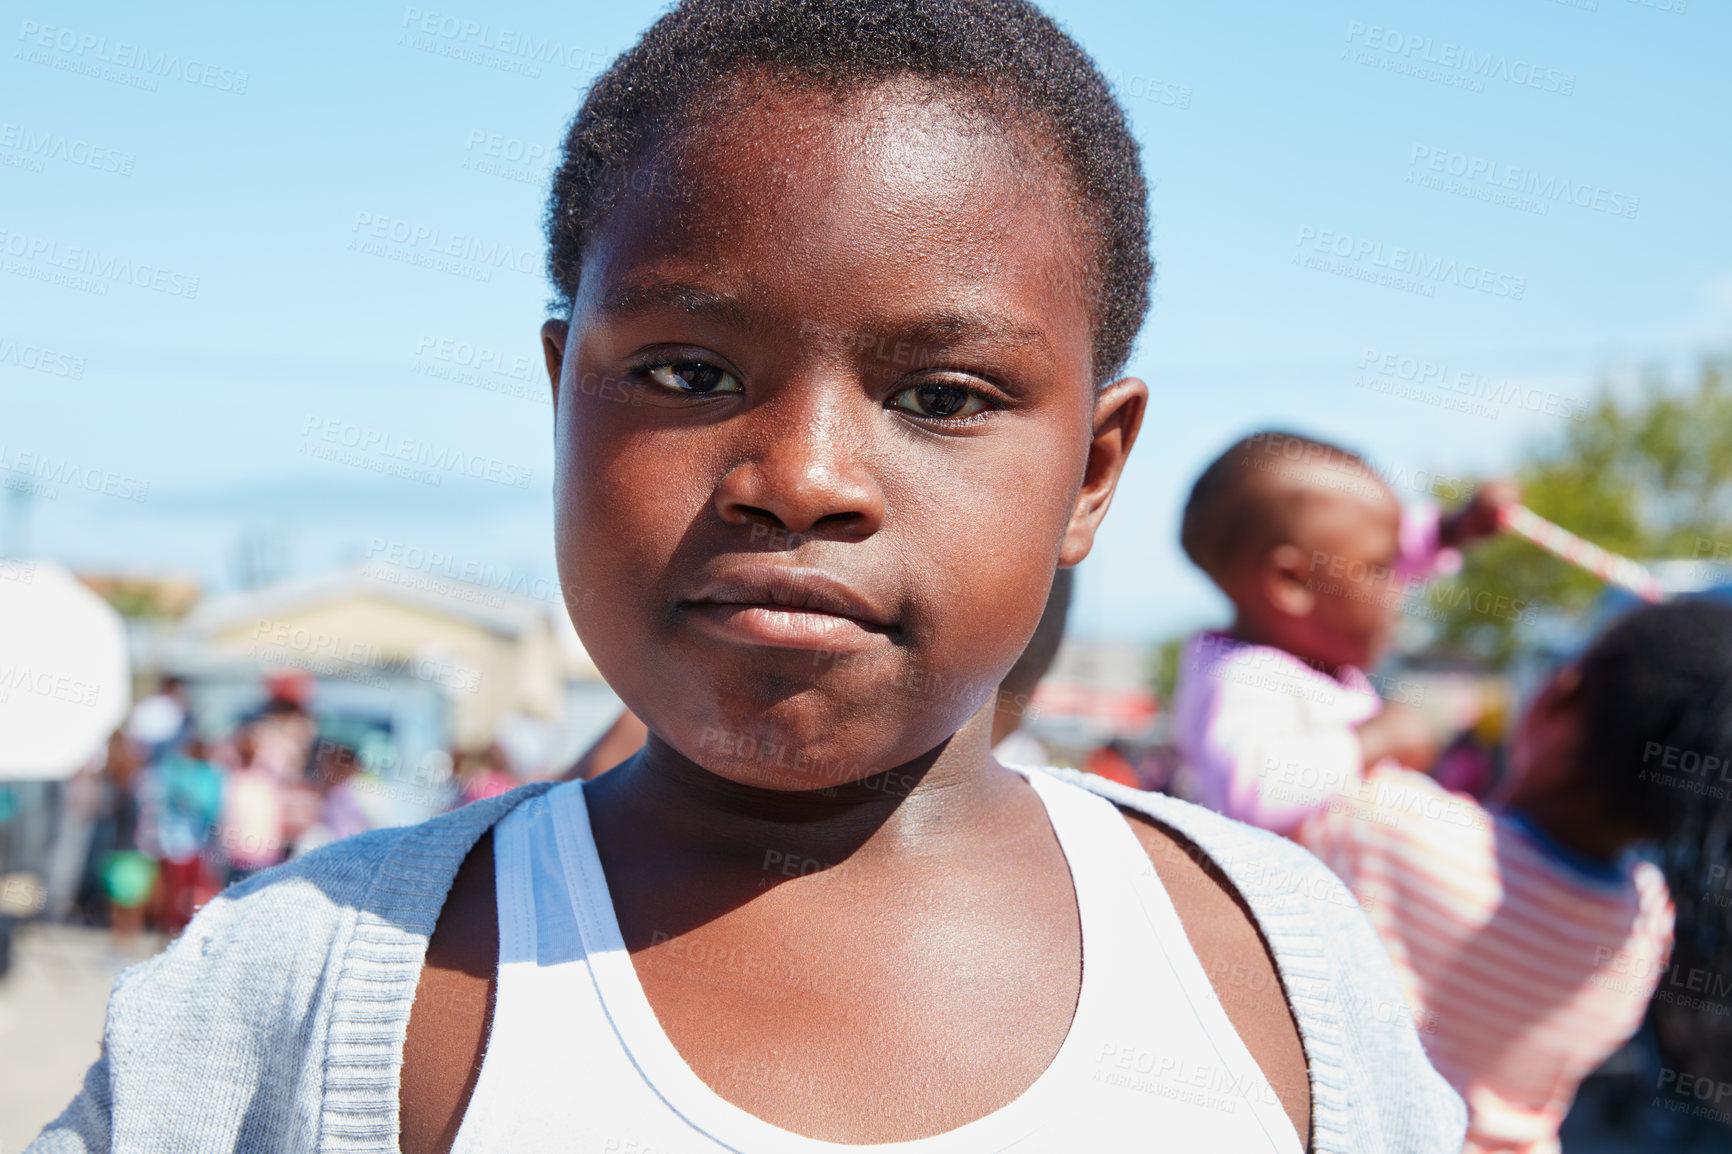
(808, 476)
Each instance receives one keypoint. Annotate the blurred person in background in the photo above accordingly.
(1115, 761)
(1474, 762)
(121, 877)
(253, 827)
(283, 730)
(180, 803)
(1276, 715)
(1528, 935)
(335, 766)
(161, 721)
(484, 773)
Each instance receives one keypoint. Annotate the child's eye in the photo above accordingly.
(939, 401)
(694, 377)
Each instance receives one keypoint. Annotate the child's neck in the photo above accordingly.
(1570, 824)
(1252, 632)
(674, 800)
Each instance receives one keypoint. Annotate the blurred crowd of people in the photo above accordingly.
(164, 817)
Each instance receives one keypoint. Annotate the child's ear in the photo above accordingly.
(1286, 578)
(553, 336)
(1561, 697)
(1542, 751)
(1118, 417)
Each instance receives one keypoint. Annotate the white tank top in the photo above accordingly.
(577, 1061)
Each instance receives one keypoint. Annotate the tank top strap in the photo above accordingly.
(1096, 839)
(513, 884)
(1105, 854)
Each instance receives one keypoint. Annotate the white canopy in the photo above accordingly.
(65, 680)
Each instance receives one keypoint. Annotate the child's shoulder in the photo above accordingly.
(294, 983)
(1372, 1087)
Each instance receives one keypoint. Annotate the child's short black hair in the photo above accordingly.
(1003, 55)
(1233, 507)
(1656, 711)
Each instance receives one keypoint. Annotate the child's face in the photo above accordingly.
(825, 427)
(1350, 537)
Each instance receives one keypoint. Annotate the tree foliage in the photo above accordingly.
(1648, 476)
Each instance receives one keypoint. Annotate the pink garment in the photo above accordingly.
(1267, 738)
(488, 783)
(1523, 966)
(1422, 556)
(252, 828)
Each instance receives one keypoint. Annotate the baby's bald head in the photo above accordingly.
(1252, 497)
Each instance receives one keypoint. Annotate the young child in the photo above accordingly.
(850, 286)
(1527, 938)
(1276, 715)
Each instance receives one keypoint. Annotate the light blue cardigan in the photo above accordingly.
(275, 1023)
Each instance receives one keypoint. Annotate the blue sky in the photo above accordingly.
(228, 235)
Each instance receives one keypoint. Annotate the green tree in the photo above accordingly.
(1647, 477)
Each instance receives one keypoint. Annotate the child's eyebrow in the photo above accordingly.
(944, 329)
(934, 330)
(642, 295)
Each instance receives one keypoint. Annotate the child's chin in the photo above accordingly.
(784, 763)
(757, 776)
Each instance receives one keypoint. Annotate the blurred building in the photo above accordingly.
(406, 665)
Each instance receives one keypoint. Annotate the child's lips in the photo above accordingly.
(787, 608)
(784, 628)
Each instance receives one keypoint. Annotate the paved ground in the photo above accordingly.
(51, 1008)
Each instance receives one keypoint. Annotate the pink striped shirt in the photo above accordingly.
(1524, 970)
